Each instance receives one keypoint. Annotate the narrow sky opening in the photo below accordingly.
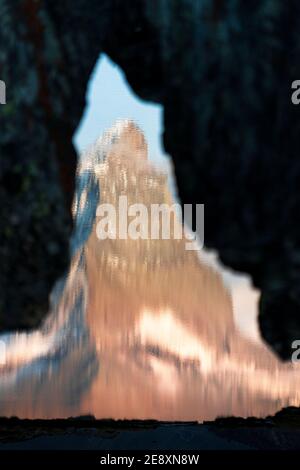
(109, 99)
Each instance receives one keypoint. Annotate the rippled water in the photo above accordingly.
(139, 328)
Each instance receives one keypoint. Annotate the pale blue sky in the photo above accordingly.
(110, 98)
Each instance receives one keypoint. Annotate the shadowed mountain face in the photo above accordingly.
(139, 328)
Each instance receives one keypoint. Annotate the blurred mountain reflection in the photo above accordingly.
(139, 328)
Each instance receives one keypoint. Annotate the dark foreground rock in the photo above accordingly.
(281, 432)
(223, 72)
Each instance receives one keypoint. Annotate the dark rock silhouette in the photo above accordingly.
(223, 72)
